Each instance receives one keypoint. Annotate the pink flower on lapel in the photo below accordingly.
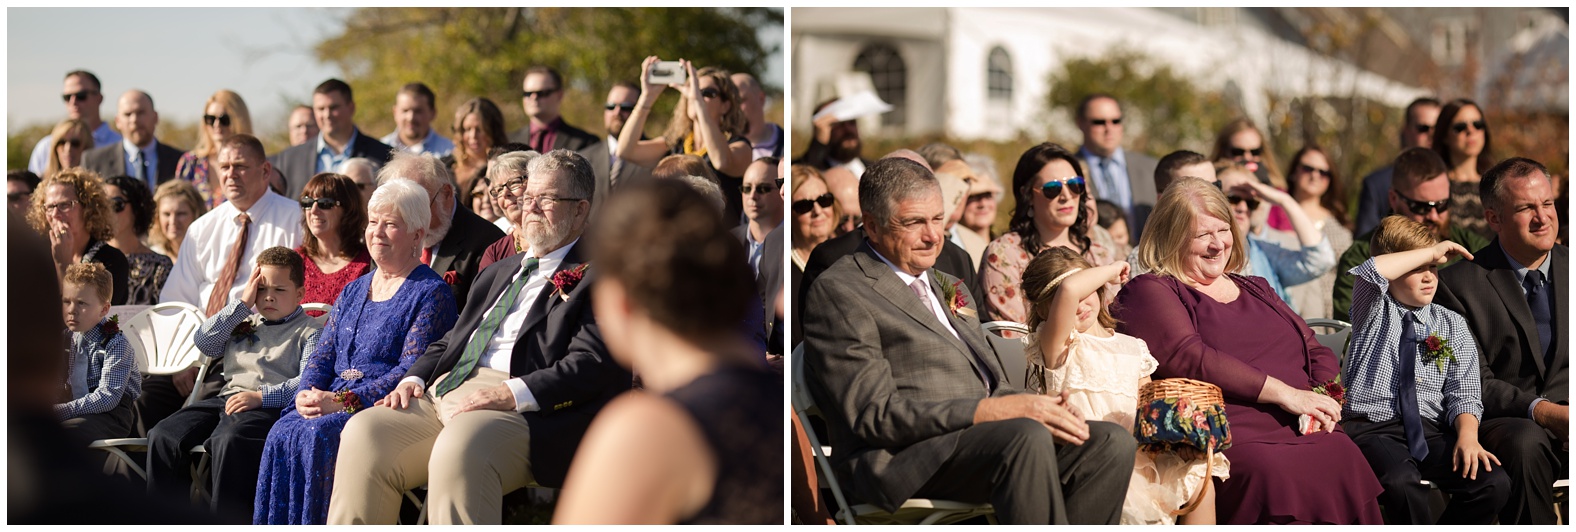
(452, 277)
(567, 280)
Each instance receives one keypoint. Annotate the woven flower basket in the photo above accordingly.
(1183, 413)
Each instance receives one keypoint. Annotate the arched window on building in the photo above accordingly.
(890, 77)
(998, 75)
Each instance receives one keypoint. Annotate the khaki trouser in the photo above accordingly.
(468, 463)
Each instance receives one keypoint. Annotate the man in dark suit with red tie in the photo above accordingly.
(915, 397)
(1514, 297)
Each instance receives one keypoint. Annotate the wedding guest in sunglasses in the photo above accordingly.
(707, 122)
(1282, 260)
(70, 208)
(1050, 191)
(614, 171)
(83, 98)
(132, 204)
(71, 140)
(333, 247)
(224, 114)
(1462, 140)
(139, 154)
(815, 216)
(1317, 188)
(19, 186)
(1420, 191)
(1243, 143)
(1416, 130)
(763, 206)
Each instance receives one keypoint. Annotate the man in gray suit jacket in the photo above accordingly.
(1121, 177)
(151, 161)
(339, 140)
(915, 398)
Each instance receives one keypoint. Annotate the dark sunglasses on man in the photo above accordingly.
(1422, 208)
(322, 203)
(763, 188)
(14, 197)
(80, 95)
(1253, 204)
(803, 206)
(1104, 121)
(622, 107)
(1053, 189)
(223, 120)
(1424, 128)
(1461, 127)
(538, 93)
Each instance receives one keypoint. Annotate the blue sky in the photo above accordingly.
(262, 53)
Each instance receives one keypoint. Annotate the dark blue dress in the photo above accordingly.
(380, 340)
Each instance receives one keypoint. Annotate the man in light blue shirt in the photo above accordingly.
(413, 113)
(83, 96)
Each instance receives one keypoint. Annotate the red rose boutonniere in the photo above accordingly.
(952, 295)
(109, 329)
(246, 330)
(567, 280)
(1436, 349)
(451, 277)
(1333, 390)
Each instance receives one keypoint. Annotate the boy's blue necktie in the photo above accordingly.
(1411, 421)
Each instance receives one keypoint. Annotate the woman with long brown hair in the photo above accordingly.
(1462, 139)
(706, 122)
(332, 244)
(478, 126)
(1317, 187)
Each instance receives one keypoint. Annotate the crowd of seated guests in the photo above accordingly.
(1129, 269)
(458, 288)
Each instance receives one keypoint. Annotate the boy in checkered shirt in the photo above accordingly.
(1412, 375)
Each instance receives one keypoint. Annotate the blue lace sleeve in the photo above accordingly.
(436, 313)
(319, 369)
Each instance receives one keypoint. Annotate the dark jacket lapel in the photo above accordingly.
(1503, 280)
(548, 298)
(885, 282)
(972, 335)
(1560, 278)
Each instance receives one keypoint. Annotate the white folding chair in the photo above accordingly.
(912, 511)
(1336, 339)
(161, 339)
(324, 307)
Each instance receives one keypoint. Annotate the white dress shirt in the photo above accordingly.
(935, 300)
(434, 144)
(499, 353)
(276, 221)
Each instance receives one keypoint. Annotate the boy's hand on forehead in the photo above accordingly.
(253, 283)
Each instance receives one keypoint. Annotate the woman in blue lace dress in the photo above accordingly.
(383, 323)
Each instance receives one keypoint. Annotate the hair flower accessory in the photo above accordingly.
(566, 280)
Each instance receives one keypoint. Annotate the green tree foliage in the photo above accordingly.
(469, 52)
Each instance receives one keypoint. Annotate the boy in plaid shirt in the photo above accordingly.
(102, 377)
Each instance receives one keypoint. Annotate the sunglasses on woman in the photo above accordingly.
(1315, 171)
(1422, 208)
(118, 203)
(1461, 127)
(710, 93)
(322, 203)
(1053, 189)
(803, 206)
(1238, 152)
(75, 143)
(223, 120)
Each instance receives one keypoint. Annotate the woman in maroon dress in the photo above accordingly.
(332, 219)
(1231, 330)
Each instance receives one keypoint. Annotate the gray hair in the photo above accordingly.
(707, 188)
(408, 199)
(424, 169)
(508, 165)
(369, 165)
(581, 182)
(889, 181)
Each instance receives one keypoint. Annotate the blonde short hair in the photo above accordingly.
(91, 274)
(1170, 227)
(1398, 233)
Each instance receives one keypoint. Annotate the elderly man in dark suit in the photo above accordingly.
(338, 140)
(457, 238)
(1122, 177)
(915, 397)
(138, 154)
(1514, 298)
(505, 397)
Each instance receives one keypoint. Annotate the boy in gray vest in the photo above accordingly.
(263, 354)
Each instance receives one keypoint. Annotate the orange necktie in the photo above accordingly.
(220, 296)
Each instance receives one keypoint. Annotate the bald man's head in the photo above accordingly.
(911, 155)
(135, 117)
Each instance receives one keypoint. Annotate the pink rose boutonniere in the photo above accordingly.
(567, 280)
(1436, 349)
(953, 298)
(451, 277)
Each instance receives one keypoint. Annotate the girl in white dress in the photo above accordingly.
(1098, 372)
